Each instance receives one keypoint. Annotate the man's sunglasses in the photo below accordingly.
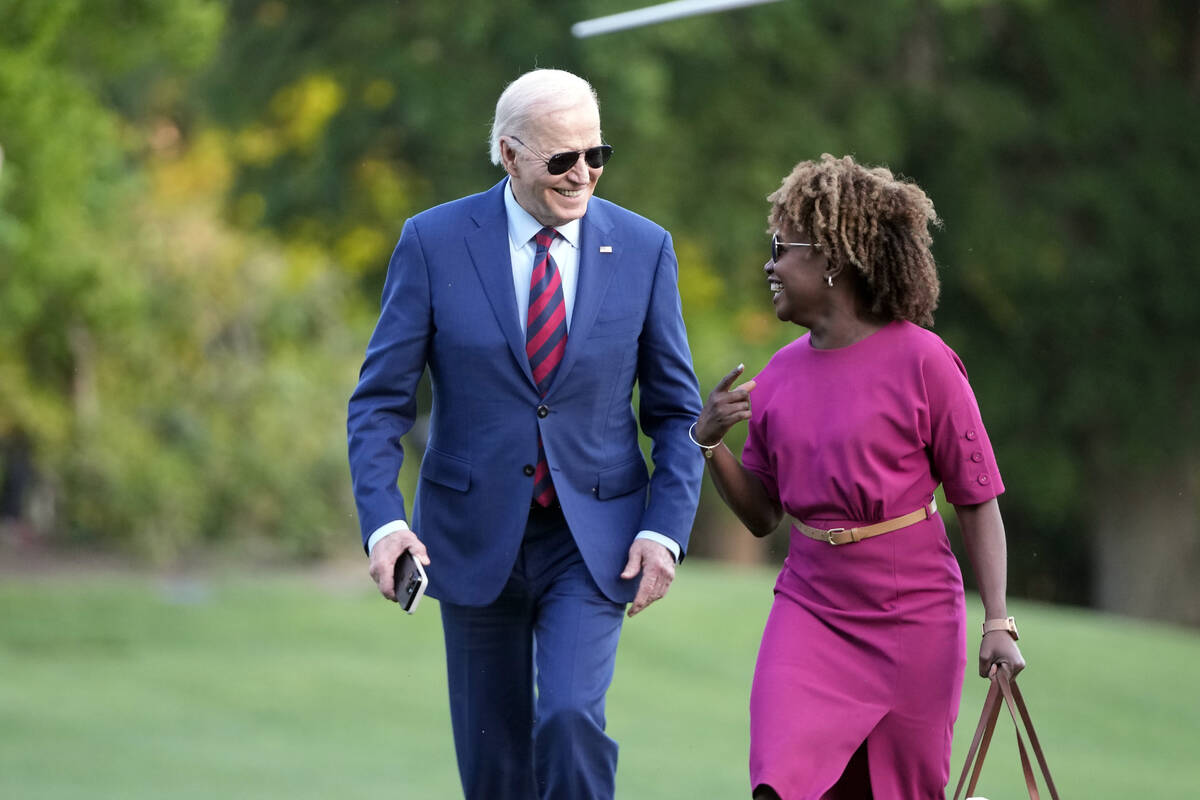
(557, 164)
(778, 248)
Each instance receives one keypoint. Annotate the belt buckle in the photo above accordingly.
(829, 534)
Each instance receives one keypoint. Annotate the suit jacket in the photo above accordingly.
(449, 305)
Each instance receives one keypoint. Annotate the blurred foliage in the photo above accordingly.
(167, 363)
(198, 200)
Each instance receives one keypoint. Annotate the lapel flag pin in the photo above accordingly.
(606, 248)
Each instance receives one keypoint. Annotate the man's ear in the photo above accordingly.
(508, 157)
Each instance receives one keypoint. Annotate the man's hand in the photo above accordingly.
(385, 554)
(657, 566)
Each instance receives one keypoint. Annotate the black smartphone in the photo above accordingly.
(410, 581)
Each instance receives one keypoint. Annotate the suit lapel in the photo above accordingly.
(488, 245)
(596, 269)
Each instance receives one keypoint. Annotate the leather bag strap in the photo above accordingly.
(979, 743)
(1004, 687)
(1013, 697)
(1026, 767)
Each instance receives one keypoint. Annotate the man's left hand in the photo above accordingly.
(658, 570)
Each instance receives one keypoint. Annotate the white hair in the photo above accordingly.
(537, 91)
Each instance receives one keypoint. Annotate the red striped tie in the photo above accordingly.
(545, 341)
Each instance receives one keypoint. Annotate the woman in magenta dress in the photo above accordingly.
(851, 428)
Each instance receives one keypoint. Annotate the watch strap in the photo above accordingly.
(1006, 624)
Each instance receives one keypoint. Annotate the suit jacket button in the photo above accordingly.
(543, 411)
(529, 469)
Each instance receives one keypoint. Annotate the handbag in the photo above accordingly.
(1004, 687)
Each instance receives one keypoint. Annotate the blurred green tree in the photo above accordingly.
(1058, 142)
(63, 189)
(164, 365)
(1056, 138)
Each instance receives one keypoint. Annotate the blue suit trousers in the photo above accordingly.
(528, 675)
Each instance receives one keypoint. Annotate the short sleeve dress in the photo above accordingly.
(865, 642)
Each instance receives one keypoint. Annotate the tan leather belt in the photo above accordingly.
(847, 535)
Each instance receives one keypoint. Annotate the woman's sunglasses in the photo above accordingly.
(778, 248)
(557, 164)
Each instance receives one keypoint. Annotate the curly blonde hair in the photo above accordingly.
(866, 219)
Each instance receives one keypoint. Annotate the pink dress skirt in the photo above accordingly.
(864, 643)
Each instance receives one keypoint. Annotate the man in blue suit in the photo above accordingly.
(536, 308)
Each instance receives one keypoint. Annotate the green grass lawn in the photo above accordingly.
(295, 686)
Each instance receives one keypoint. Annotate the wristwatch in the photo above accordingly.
(1007, 624)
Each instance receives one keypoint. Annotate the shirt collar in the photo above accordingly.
(522, 226)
